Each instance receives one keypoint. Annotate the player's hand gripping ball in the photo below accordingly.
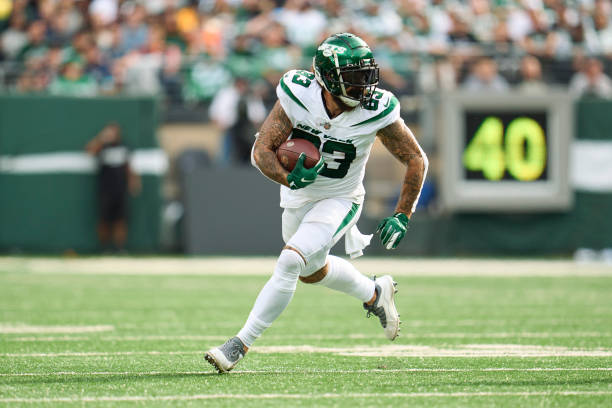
(392, 230)
(302, 159)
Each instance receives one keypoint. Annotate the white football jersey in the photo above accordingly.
(344, 141)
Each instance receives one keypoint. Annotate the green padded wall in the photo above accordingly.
(58, 211)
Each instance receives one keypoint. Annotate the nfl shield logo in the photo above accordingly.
(326, 126)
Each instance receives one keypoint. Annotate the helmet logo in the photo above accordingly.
(327, 49)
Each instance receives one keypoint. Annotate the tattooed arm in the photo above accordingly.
(400, 141)
(274, 131)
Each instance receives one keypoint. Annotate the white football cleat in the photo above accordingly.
(225, 357)
(384, 306)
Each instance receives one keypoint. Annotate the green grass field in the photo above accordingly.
(123, 332)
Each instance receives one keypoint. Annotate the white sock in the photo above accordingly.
(344, 277)
(274, 297)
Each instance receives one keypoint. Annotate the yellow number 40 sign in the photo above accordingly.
(523, 153)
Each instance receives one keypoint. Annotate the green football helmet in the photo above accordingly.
(345, 67)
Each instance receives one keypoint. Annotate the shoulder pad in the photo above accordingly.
(294, 84)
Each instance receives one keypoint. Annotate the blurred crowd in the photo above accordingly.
(187, 51)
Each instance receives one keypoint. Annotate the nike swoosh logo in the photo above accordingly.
(306, 181)
(387, 104)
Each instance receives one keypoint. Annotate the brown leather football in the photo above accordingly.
(290, 150)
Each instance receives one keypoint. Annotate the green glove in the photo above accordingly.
(393, 229)
(301, 177)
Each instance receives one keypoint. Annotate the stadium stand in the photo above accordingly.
(186, 51)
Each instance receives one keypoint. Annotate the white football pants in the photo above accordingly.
(312, 230)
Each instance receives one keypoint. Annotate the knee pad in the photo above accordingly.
(313, 240)
(289, 266)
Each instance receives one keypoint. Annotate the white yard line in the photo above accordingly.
(412, 323)
(49, 339)
(6, 328)
(313, 371)
(195, 337)
(151, 398)
(464, 350)
(501, 322)
(102, 353)
(264, 266)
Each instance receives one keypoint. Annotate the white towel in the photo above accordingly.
(355, 242)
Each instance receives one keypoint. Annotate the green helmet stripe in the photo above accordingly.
(291, 95)
(337, 64)
(392, 104)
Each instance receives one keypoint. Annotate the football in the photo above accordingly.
(290, 150)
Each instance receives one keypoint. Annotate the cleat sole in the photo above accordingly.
(212, 361)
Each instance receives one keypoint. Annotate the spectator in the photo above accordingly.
(440, 25)
(134, 31)
(173, 34)
(14, 38)
(62, 27)
(81, 43)
(55, 59)
(205, 78)
(591, 81)
(482, 20)
(144, 65)
(33, 80)
(460, 33)
(104, 12)
(73, 81)
(243, 60)
(115, 180)
(531, 76)
(99, 69)
(336, 17)
(170, 76)
(239, 111)
(303, 23)
(598, 32)
(36, 45)
(484, 77)
(278, 53)
(109, 40)
(379, 20)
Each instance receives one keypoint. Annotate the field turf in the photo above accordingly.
(132, 331)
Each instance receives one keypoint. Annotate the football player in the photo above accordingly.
(338, 108)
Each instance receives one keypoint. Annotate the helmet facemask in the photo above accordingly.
(358, 83)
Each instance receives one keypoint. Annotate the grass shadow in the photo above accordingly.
(131, 377)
